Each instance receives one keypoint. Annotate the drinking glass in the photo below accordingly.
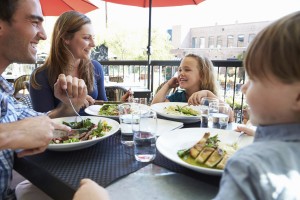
(220, 114)
(127, 117)
(205, 118)
(144, 135)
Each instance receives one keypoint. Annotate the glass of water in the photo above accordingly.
(219, 113)
(205, 118)
(144, 135)
(126, 113)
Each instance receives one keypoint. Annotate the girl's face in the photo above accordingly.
(188, 74)
(271, 101)
(82, 42)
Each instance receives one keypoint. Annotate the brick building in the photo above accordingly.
(216, 42)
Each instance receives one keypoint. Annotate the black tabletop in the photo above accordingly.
(58, 173)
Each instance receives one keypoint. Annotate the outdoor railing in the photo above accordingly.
(230, 75)
(135, 73)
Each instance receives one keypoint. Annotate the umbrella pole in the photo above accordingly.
(150, 69)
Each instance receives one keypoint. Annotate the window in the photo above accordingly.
(195, 42)
(230, 40)
(219, 42)
(211, 42)
(241, 41)
(202, 43)
(251, 37)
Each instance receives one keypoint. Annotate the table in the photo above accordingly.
(113, 166)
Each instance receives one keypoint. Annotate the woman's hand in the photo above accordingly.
(76, 88)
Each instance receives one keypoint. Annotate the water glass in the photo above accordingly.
(205, 118)
(127, 116)
(144, 135)
(220, 115)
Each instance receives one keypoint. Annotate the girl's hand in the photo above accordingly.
(173, 82)
(195, 98)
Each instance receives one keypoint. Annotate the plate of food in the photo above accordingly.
(106, 110)
(204, 150)
(178, 111)
(84, 134)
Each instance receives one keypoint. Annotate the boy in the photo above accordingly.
(270, 167)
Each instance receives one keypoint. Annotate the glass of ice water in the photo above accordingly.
(219, 113)
(205, 118)
(144, 135)
(126, 113)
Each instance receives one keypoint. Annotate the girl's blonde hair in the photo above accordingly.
(59, 57)
(276, 50)
(207, 74)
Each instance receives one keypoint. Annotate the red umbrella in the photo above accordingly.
(150, 4)
(57, 7)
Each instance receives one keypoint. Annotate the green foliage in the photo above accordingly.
(132, 44)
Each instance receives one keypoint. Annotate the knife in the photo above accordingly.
(101, 102)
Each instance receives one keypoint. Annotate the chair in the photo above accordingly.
(162, 84)
(21, 84)
(114, 93)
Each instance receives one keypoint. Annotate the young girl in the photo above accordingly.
(196, 77)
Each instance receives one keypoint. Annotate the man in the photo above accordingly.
(20, 31)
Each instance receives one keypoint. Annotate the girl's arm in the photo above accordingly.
(164, 90)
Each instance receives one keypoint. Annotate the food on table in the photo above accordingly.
(81, 131)
(109, 110)
(181, 110)
(208, 152)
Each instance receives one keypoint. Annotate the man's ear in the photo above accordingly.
(297, 100)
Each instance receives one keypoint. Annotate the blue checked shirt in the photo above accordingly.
(10, 111)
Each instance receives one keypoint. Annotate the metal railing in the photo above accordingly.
(230, 74)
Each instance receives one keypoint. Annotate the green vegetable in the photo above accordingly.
(212, 142)
(183, 152)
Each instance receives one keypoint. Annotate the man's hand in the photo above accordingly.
(32, 135)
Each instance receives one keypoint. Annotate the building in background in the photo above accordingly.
(219, 42)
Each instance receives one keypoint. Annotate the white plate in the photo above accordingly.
(84, 144)
(169, 143)
(94, 110)
(159, 108)
(164, 126)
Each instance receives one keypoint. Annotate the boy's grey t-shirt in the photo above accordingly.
(267, 169)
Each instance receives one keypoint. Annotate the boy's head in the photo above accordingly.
(276, 50)
(273, 65)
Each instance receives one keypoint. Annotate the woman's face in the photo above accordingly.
(82, 42)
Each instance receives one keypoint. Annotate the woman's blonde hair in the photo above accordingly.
(59, 57)
(207, 74)
(276, 50)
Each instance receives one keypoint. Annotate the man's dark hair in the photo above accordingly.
(7, 9)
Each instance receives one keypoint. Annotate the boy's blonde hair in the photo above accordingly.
(276, 50)
(207, 74)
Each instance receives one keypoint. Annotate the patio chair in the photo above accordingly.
(162, 84)
(21, 84)
(114, 93)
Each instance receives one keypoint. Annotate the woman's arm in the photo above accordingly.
(43, 99)
(99, 76)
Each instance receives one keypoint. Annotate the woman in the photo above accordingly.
(72, 41)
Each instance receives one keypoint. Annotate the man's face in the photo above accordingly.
(19, 39)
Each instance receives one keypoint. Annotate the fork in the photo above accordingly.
(238, 138)
(73, 107)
